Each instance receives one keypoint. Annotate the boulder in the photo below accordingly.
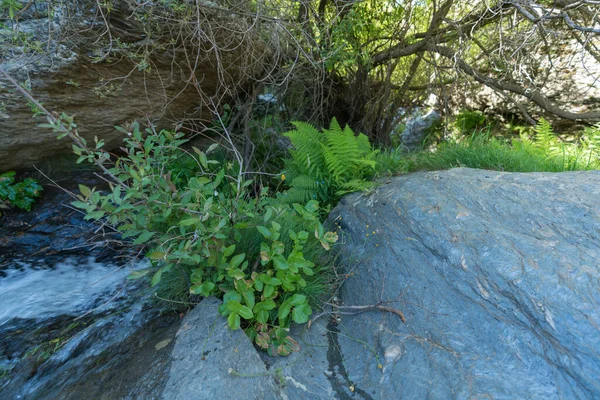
(417, 125)
(111, 72)
(497, 275)
(210, 361)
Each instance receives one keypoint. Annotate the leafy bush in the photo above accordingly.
(198, 218)
(22, 194)
(325, 165)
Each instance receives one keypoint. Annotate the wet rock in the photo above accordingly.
(54, 231)
(211, 361)
(317, 370)
(497, 274)
(72, 325)
(114, 357)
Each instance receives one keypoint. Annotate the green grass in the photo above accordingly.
(521, 155)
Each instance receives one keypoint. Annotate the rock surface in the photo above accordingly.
(104, 84)
(210, 361)
(497, 274)
(417, 125)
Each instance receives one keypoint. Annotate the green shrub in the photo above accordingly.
(469, 121)
(326, 165)
(21, 194)
(196, 216)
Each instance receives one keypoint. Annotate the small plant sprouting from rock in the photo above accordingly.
(201, 221)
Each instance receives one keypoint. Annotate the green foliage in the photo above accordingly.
(196, 216)
(544, 152)
(469, 121)
(22, 194)
(325, 165)
(11, 7)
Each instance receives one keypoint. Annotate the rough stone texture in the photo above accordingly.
(417, 126)
(316, 371)
(210, 361)
(568, 77)
(66, 76)
(497, 274)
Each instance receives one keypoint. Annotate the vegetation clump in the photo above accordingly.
(205, 223)
(544, 151)
(18, 194)
(326, 165)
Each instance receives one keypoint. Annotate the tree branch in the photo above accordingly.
(532, 94)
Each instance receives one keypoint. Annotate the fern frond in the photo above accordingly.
(327, 164)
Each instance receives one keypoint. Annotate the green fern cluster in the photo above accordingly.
(581, 155)
(326, 165)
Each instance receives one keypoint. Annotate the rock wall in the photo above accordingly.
(68, 66)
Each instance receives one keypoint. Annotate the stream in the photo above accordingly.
(71, 325)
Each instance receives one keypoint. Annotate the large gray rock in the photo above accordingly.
(210, 361)
(497, 274)
(417, 125)
(74, 69)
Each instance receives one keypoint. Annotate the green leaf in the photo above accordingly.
(137, 274)
(284, 311)
(227, 251)
(204, 289)
(268, 291)
(144, 237)
(156, 278)
(269, 280)
(237, 308)
(94, 215)
(219, 178)
(212, 148)
(86, 191)
(236, 273)
(156, 255)
(80, 204)
(231, 295)
(281, 334)
(301, 313)
(233, 320)
(249, 298)
(297, 299)
(189, 221)
(262, 316)
(312, 206)
(280, 262)
(264, 231)
(237, 260)
(264, 305)
(268, 214)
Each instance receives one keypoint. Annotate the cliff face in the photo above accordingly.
(109, 72)
(566, 74)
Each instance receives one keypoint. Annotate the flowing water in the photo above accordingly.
(71, 325)
(71, 287)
